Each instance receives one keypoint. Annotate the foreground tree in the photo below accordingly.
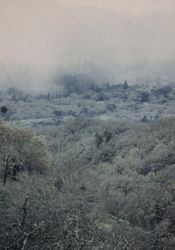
(20, 150)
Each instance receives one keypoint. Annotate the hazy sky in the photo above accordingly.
(127, 6)
(46, 32)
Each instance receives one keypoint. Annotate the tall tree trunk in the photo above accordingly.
(6, 169)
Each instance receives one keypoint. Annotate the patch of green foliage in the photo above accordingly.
(105, 185)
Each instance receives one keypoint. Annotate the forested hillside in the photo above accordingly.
(77, 95)
(94, 185)
(87, 125)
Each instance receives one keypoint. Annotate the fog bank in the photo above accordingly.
(47, 35)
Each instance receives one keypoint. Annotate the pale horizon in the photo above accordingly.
(133, 7)
(48, 33)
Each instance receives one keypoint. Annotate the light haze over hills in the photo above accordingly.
(47, 33)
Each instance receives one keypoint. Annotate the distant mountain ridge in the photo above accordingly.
(45, 32)
(39, 37)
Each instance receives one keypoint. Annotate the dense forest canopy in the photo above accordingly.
(95, 185)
